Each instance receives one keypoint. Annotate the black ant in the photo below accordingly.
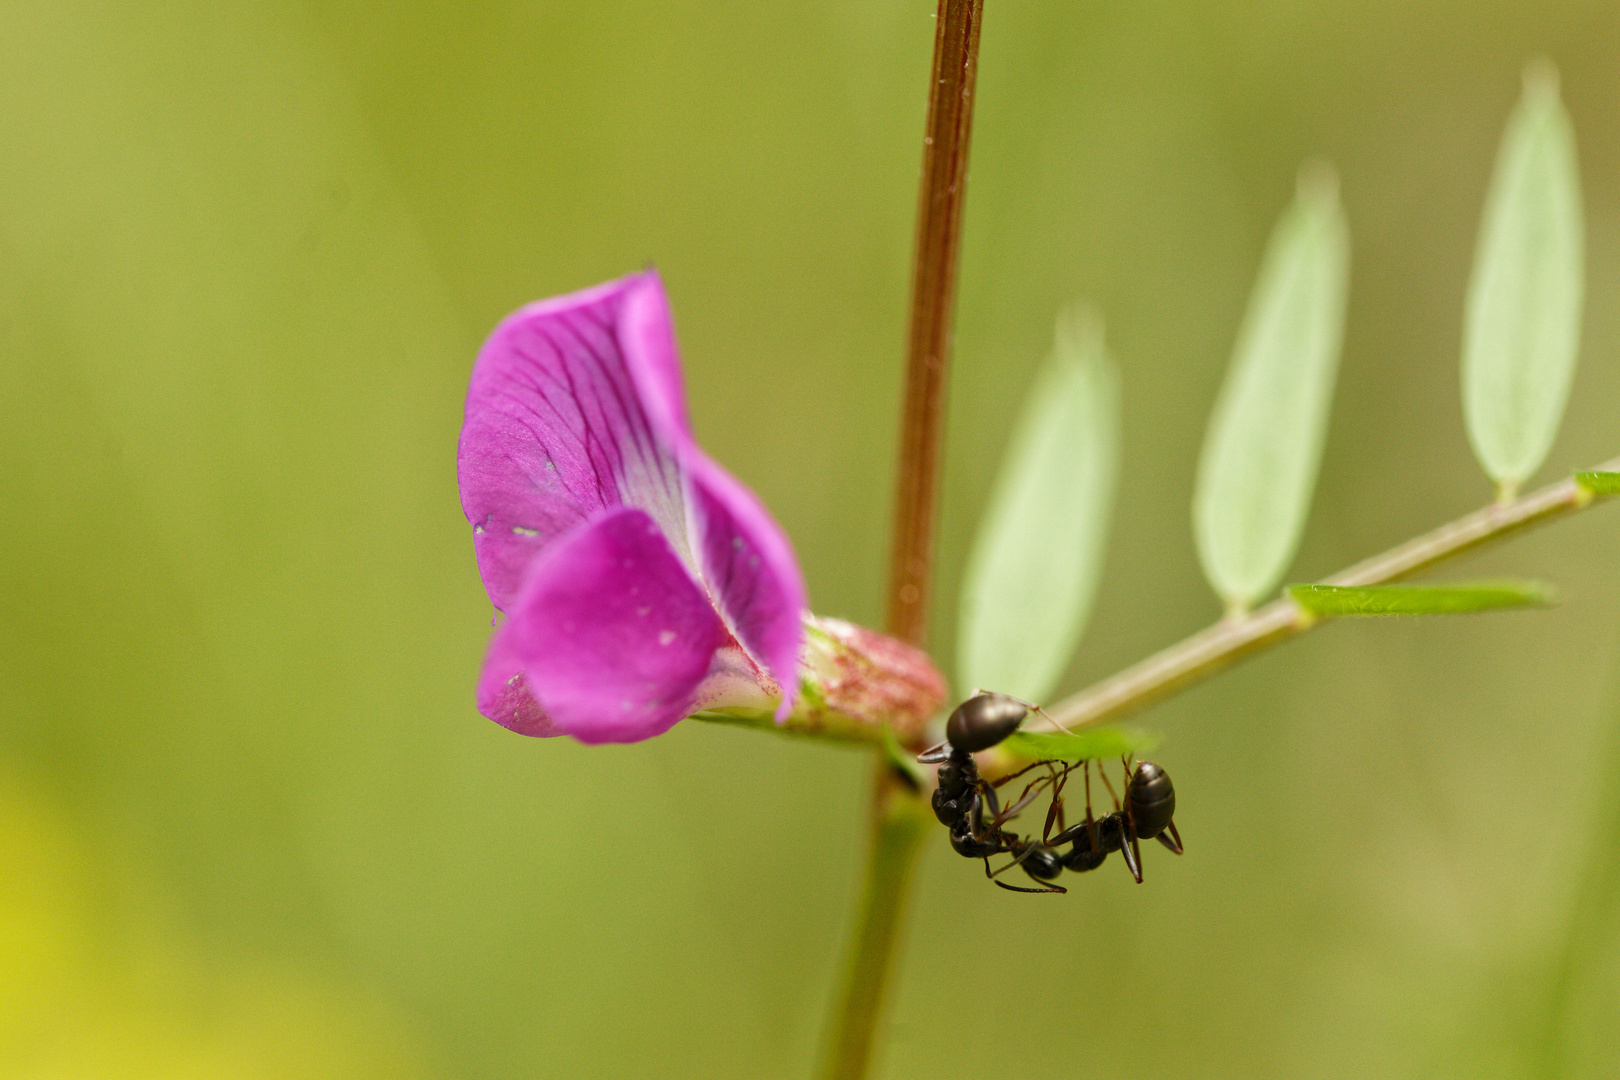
(983, 721)
(960, 800)
(1148, 813)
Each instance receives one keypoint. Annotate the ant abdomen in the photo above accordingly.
(984, 720)
(1152, 798)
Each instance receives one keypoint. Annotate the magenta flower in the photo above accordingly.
(640, 582)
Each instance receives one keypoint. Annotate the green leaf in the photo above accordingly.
(1033, 570)
(1523, 321)
(1088, 745)
(1599, 483)
(1329, 601)
(1265, 436)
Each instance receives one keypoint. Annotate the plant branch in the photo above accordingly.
(933, 297)
(899, 815)
(900, 820)
(1235, 637)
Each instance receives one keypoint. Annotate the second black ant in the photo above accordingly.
(1147, 814)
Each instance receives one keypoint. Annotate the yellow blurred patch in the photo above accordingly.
(76, 1002)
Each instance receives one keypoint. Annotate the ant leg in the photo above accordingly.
(1087, 828)
(1091, 822)
(1026, 797)
(1016, 861)
(1073, 832)
(1041, 871)
(986, 793)
(1055, 811)
(975, 812)
(1133, 856)
(1128, 846)
(1102, 774)
(1030, 794)
(1020, 888)
(1046, 887)
(998, 781)
(1170, 838)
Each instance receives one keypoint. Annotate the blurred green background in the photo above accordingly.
(250, 823)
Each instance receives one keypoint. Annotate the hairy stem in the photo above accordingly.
(1237, 636)
(899, 815)
(900, 820)
(933, 299)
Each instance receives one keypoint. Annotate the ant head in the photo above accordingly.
(982, 721)
(1042, 863)
(1152, 798)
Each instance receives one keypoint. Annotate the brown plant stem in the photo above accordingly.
(933, 300)
(1235, 637)
(899, 814)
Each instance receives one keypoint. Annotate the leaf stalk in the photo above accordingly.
(1234, 638)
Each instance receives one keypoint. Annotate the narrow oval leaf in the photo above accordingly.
(1265, 436)
(1089, 745)
(1332, 601)
(1523, 322)
(1033, 571)
(1599, 483)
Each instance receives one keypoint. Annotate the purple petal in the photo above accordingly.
(503, 690)
(647, 331)
(749, 565)
(744, 556)
(555, 432)
(612, 634)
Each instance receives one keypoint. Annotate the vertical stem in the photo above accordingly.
(899, 816)
(933, 299)
(899, 822)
